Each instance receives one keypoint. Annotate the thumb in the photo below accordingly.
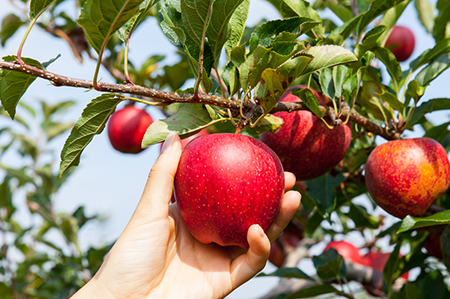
(154, 203)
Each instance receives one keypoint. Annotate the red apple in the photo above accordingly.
(404, 177)
(377, 260)
(224, 184)
(401, 42)
(305, 145)
(185, 141)
(126, 128)
(347, 250)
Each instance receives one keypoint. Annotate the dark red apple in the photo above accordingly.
(401, 42)
(224, 184)
(126, 128)
(347, 250)
(305, 145)
(276, 255)
(404, 177)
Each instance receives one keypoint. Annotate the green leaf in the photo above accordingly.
(69, 228)
(92, 122)
(195, 15)
(187, 121)
(100, 19)
(411, 222)
(327, 83)
(309, 99)
(288, 273)
(10, 24)
(342, 11)
(38, 6)
(390, 19)
(321, 190)
(269, 89)
(441, 47)
(327, 56)
(340, 74)
(302, 8)
(314, 291)
(361, 218)
(237, 26)
(369, 41)
(269, 123)
(126, 30)
(430, 106)
(392, 101)
(268, 32)
(425, 12)
(433, 69)
(391, 270)
(410, 291)
(218, 28)
(13, 84)
(377, 7)
(445, 246)
(441, 28)
(294, 67)
(254, 64)
(329, 265)
(391, 63)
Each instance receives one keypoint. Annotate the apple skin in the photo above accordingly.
(347, 250)
(404, 177)
(305, 145)
(224, 184)
(401, 42)
(127, 127)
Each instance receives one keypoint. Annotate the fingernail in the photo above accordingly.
(261, 232)
(168, 143)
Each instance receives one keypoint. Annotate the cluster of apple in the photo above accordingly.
(226, 182)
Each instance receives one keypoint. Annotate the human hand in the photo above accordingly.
(157, 257)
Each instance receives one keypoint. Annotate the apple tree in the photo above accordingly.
(325, 81)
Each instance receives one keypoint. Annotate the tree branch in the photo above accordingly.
(167, 97)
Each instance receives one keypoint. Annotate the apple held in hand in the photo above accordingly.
(404, 177)
(305, 145)
(401, 42)
(224, 184)
(126, 128)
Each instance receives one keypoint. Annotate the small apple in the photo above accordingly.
(347, 250)
(276, 255)
(404, 177)
(224, 184)
(126, 128)
(305, 145)
(401, 42)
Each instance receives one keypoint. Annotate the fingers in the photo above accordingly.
(159, 187)
(289, 180)
(249, 264)
(289, 205)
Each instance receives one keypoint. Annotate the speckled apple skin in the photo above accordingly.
(224, 184)
(405, 177)
(305, 145)
(127, 127)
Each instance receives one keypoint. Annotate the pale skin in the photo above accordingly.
(157, 257)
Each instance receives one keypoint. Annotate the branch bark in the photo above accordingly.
(167, 97)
